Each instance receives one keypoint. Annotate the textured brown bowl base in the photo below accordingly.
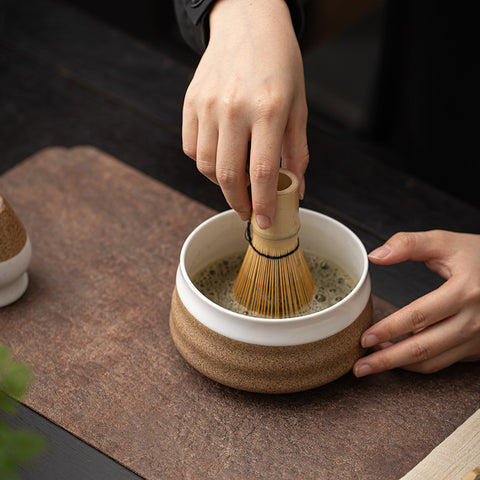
(12, 232)
(266, 369)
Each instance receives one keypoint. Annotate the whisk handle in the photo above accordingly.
(286, 222)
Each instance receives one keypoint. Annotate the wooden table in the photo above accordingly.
(125, 98)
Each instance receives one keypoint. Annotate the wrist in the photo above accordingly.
(226, 15)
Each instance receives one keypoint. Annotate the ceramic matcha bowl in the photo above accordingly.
(263, 354)
(15, 255)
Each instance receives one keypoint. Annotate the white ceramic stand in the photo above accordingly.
(13, 275)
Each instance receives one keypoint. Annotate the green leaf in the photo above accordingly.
(17, 446)
(7, 404)
(16, 379)
(22, 445)
(4, 356)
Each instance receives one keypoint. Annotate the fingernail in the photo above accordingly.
(301, 193)
(369, 340)
(362, 370)
(263, 221)
(381, 252)
(244, 215)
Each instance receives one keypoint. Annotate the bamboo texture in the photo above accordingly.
(276, 287)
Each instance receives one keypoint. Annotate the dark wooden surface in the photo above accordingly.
(68, 79)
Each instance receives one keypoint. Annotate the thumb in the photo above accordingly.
(416, 246)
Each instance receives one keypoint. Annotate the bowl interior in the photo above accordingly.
(329, 238)
(224, 234)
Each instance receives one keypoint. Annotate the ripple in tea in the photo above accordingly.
(216, 282)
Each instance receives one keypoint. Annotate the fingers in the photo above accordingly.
(437, 327)
(434, 247)
(221, 157)
(416, 351)
(427, 310)
(206, 150)
(189, 129)
(218, 144)
(267, 139)
(445, 359)
(280, 133)
(417, 246)
(231, 168)
(221, 153)
(295, 155)
(464, 352)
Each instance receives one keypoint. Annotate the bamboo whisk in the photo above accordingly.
(274, 279)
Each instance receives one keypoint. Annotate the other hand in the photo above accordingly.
(444, 324)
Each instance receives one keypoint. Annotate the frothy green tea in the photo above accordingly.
(216, 282)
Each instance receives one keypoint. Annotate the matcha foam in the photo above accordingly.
(216, 282)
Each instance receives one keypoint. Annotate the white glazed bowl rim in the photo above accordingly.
(274, 331)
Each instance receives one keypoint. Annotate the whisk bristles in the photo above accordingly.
(274, 279)
(274, 287)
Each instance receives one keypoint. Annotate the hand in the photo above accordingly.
(248, 87)
(445, 323)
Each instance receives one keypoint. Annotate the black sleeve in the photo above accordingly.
(192, 19)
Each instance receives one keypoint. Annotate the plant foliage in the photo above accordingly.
(17, 446)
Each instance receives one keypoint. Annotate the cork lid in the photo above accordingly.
(13, 235)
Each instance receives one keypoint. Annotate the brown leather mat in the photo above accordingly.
(94, 324)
